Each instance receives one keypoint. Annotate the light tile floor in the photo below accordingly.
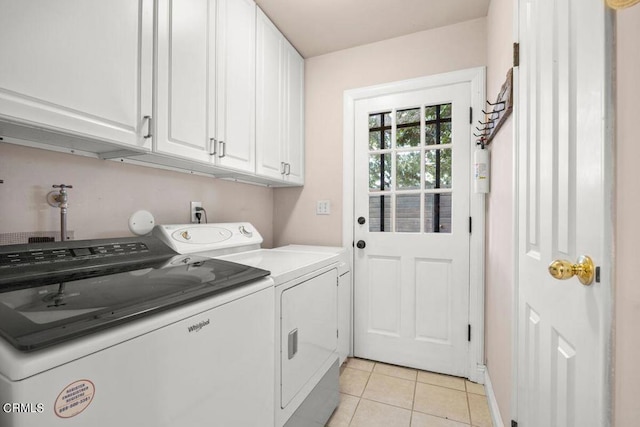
(374, 394)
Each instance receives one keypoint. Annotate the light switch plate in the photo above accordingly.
(323, 207)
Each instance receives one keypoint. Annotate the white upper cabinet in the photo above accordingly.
(294, 115)
(205, 92)
(80, 67)
(279, 106)
(269, 99)
(186, 79)
(236, 44)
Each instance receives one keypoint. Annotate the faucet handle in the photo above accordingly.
(62, 186)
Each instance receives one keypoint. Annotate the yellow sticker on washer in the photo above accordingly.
(74, 398)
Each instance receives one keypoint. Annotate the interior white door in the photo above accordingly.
(411, 262)
(563, 326)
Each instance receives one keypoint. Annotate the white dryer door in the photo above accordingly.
(308, 331)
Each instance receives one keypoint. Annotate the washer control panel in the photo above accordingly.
(189, 238)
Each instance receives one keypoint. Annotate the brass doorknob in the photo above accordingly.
(585, 270)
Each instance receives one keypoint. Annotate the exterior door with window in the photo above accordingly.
(411, 258)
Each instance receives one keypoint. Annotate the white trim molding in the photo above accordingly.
(492, 401)
(476, 78)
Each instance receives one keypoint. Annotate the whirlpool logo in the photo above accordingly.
(198, 326)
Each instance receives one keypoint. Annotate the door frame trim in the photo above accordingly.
(476, 78)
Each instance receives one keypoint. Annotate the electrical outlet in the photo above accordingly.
(323, 207)
(194, 205)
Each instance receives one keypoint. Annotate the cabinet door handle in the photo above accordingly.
(212, 146)
(283, 168)
(288, 168)
(223, 149)
(149, 127)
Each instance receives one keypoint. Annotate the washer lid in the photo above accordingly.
(65, 290)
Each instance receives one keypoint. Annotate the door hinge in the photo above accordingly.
(514, 423)
(469, 333)
(516, 54)
(470, 225)
(470, 115)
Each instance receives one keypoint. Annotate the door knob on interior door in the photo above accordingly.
(361, 244)
(585, 270)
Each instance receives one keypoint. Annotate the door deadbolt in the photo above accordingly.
(361, 220)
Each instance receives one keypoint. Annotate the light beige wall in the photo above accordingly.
(106, 193)
(425, 53)
(627, 292)
(499, 227)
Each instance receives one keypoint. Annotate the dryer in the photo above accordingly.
(306, 280)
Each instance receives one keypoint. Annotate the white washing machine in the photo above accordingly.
(126, 332)
(306, 314)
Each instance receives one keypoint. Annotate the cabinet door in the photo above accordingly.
(294, 115)
(82, 67)
(269, 99)
(236, 84)
(185, 90)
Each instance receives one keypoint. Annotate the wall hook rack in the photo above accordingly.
(500, 110)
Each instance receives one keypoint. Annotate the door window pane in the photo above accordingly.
(408, 213)
(380, 213)
(437, 168)
(437, 213)
(374, 141)
(379, 131)
(445, 133)
(408, 170)
(387, 119)
(408, 137)
(378, 120)
(431, 113)
(431, 134)
(445, 111)
(379, 140)
(379, 172)
(438, 124)
(408, 128)
(408, 116)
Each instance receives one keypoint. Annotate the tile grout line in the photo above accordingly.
(468, 403)
(354, 412)
(413, 404)
(361, 394)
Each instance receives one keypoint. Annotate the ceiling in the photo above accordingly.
(316, 27)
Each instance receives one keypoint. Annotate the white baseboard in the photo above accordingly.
(491, 399)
